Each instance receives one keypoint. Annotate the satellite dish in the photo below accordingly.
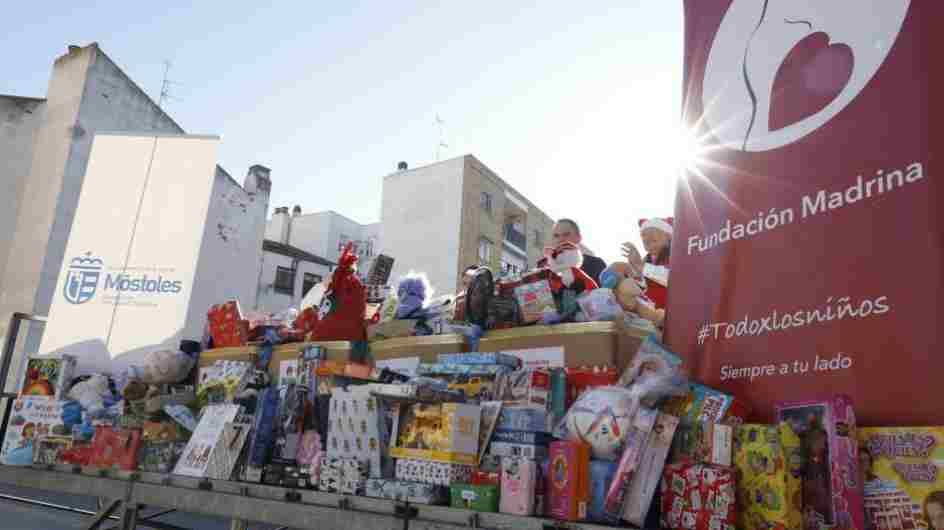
(478, 296)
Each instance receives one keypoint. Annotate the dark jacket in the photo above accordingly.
(593, 266)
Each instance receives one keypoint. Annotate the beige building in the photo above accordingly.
(441, 218)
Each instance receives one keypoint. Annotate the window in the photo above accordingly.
(284, 281)
(308, 281)
(538, 238)
(486, 201)
(485, 251)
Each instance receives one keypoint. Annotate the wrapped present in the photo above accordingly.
(832, 494)
(445, 432)
(49, 449)
(480, 358)
(636, 438)
(902, 469)
(30, 417)
(703, 443)
(569, 482)
(707, 405)
(769, 465)
(601, 477)
(519, 477)
(48, 376)
(649, 473)
(353, 476)
(227, 326)
(113, 448)
(698, 497)
(477, 498)
(402, 491)
(428, 472)
(159, 457)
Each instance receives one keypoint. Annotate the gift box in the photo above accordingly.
(159, 457)
(519, 477)
(402, 491)
(476, 498)
(648, 475)
(769, 464)
(569, 482)
(601, 477)
(902, 469)
(832, 494)
(636, 438)
(445, 432)
(428, 472)
(480, 358)
(227, 326)
(30, 418)
(357, 427)
(698, 497)
(48, 376)
(703, 443)
(48, 450)
(707, 405)
(113, 448)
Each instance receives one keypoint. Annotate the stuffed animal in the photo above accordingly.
(629, 293)
(413, 295)
(565, 260)
(342, 309)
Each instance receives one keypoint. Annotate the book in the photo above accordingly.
(31, 418)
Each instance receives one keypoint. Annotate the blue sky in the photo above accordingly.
(575, 104)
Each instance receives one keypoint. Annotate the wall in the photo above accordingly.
(419, 215)
(271, 301)
(20, 119)
(319, 233)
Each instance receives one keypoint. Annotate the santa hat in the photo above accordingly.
(658, 223)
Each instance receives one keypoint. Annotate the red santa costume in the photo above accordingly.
(656, 270)
(565, 260)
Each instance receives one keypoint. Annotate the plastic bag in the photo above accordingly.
(600, 417)
(93, 394)
(162, 367)
(599, 305)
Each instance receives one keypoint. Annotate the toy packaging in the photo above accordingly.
(159, 457)
(402, 491)
(437, 473)
(490, 413)
(832, 494)
(230, 445)
(503, 449)
(706, 405)
(703, 443)
(769, 463)
(649, 474)
(446, 432)
(523, 418)
(48, 376)
(531, 386)
(569, 483)
(329, 480)
(48, 449)
(599, 305)
(601, 418)
(902, 469)
(480, 358)
(227, 326)
(535, 298)
(353, 476)
(113, 448)
(31, 417)
(522, 437)
(357, 428)
(636, 440)
(477, 498)
(481, 477)
(601, 477)
(518, 484)
(205, 439)
(698, 497)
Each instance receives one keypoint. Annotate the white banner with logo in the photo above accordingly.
(125, 284)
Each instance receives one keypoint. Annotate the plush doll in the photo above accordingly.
(413, 295)
(565, 261)
(630, 293)
(341, 313)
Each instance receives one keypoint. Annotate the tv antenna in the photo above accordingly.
(442, 142)
(165, 87)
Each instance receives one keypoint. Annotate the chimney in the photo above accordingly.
(282, 224)
(402, 166)
(258, 180)
(296, 211)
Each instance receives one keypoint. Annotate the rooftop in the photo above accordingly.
(275, 247)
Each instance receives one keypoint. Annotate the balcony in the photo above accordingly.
(516, 239)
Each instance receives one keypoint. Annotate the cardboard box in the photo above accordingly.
(403, 491)
(704, 443)
(480, 358)
(901, 468)
(427, 472)
(649, 474)
(338, 351)
(477, 498)
(569, 491)
(427, 348)
(831, 488)
(519, 477)
(444, 432)
(698, 497)
(704, 404)
(769, 462)
(592, 343)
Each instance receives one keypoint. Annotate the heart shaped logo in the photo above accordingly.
(812, 75)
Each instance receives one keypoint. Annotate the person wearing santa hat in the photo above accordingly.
(656, 236)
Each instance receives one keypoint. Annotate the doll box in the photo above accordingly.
(769, 463)
(437, 473)
(402, 491)
(476, 498)
(903, 474)
(698, 497)
(649, 473)
(827, 430)
(704, 443)
(704, 404)
(444, 432)
(569, 481)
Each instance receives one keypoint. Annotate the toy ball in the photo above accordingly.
(602, 418)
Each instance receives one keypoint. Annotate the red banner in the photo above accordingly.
(807, 255)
